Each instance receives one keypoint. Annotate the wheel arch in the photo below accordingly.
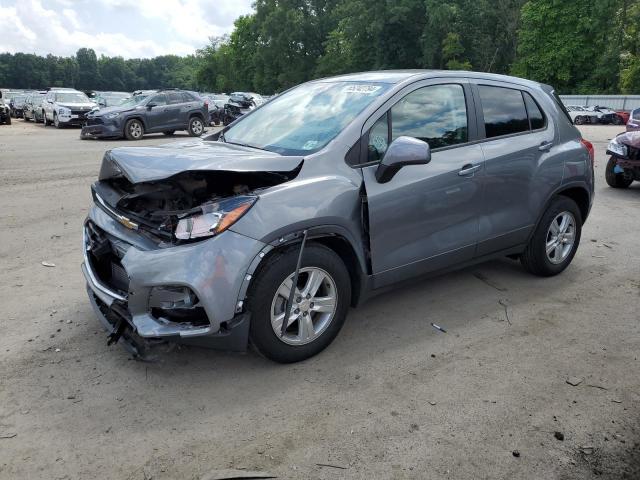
(577, 192)
(140, 118)
(334, 237)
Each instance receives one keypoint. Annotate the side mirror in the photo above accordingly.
(403, 151)
(150, 105)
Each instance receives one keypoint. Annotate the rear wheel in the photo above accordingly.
(618, 120)
(319, 309)
(555, 240)
(579, 120)
(8, 122)
(615, 180)
(196, 127)
(133, 129)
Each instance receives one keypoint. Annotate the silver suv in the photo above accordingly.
(66, 106)
(268, 231)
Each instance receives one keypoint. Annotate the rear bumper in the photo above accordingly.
(213, 270)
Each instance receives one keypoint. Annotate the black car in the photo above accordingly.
(160, 111)
(5, 113)
(17, 105)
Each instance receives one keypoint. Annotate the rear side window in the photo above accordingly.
(504, 111)
(174, 98)
(188, 97)
(536, 117)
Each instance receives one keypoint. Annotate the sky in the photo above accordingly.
(127, 28)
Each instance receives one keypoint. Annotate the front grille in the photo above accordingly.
(94, 121)
(80, 113)
(105, 259)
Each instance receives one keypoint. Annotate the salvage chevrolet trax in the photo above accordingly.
(268, 231)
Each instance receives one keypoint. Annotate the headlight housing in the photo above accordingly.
(214, 217)
(64, 111)
(617, 148)
(112, 115)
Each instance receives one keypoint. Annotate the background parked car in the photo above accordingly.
(633, 124)
(66, 107)
(110, 99)
(624, 115)
(33, 107)
(159, 111)
(5, 112)
(605, 115)
(580, 116)
(17, 105)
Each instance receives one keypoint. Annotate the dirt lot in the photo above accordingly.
(391, 398)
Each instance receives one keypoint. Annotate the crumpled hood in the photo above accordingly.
(629, 138)
(115, 109)
(146, 164)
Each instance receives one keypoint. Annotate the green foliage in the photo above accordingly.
(579, 46)
(87, 72)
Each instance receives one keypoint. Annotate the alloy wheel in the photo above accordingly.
(135, 129)
(196, 127)
(561, 237)
(313, 309)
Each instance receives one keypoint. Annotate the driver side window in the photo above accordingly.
(436, 114)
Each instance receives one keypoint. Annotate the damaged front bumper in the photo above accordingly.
(143, 293)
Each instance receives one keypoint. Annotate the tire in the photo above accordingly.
(579, 120)
(133, 129)
(618, 120)
(169, 133)
(535, 258)
(264, 299)
(56, 122)
(615, 180)
(8, 122)
(196, 126)
(45, 120)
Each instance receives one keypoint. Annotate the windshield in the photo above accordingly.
(72, 97)
(306, 118)
(135, 100)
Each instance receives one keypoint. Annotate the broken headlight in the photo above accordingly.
(617, 148)
(214, 217)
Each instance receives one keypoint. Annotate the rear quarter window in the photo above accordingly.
(504, 111)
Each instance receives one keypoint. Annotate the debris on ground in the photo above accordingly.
(234, 474)
(587, 450)
(485, 279)
(48, 264)
(331, 466)
(559, 436)
(516, 453)
(8, 435)
(574, 381)
(438, 327)
(505, 304)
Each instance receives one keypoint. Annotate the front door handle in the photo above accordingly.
(545, 146)
(469, 170)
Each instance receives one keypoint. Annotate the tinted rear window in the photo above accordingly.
(536, 117)
(504, 111)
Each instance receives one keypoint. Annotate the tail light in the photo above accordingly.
(589, 146)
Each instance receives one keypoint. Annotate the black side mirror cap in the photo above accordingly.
(151, 105)
(403, 151)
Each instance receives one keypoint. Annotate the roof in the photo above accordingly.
(399, 76)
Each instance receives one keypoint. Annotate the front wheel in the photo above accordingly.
(579, 120)
(616, 179)
(196, 127)
(133, 129)
(56, 122)
(555, 240)
(320, 303)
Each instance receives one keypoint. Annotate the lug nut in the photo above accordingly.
(311, 305)
(304, 314)
(296, 311)
(299, 299)
(308, 296)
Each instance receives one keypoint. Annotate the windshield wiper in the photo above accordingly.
(243, 145)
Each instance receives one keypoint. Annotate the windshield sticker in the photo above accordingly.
(310, 145)
(362, 89)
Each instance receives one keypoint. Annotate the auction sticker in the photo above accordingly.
(364, 89)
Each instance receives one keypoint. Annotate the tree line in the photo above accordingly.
(581, 46)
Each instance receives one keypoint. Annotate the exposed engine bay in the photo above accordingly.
(185, 206)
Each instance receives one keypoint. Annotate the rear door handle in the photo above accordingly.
(545, 146)
(469, 169)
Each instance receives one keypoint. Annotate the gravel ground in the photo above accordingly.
(391, 398)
